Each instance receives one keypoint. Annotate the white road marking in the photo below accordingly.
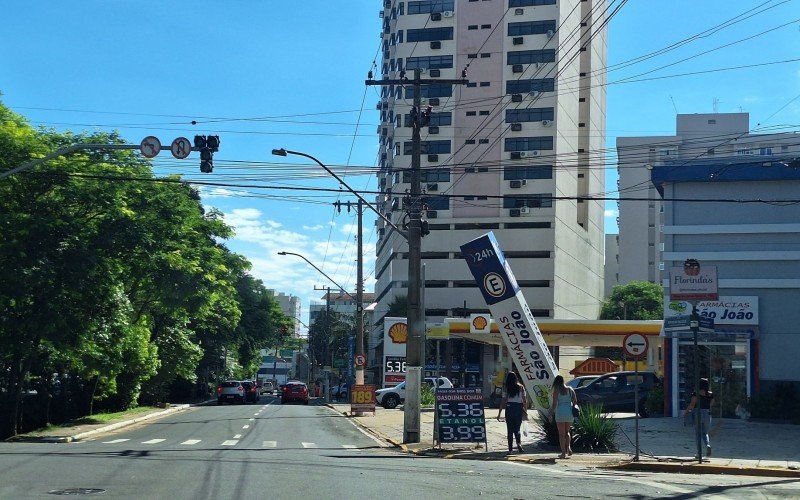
(251, 419)
(153, 441)
(634, 480)
(114, 441)
(230, 442)
(238, 436)
(362, 431)
(191, 441)
(245, 427)
(269, 444)
(309, 445)
(349, 446)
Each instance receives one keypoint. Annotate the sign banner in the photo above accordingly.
(518, 328)
(362, 398)
(727, 310)
(692, 282)
(437, 331)
(459, 416)
(395, 336)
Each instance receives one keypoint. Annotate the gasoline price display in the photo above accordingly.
(460, 416)
(395, 364)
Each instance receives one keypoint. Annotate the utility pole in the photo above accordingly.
(359, 287)
(415, 347)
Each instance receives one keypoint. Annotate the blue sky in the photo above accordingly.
(282, 73)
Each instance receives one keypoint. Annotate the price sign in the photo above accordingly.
(362, 398)
(459, 416)
(395, 364)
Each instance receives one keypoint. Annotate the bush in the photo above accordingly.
(547, 428)
(594, 430)
(655, 401)
(427, 396)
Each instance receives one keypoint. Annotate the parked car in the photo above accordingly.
(581, 381)
(230, 391)
(267, 387)
(251, 394)
(294, 391)
(390, 397)
(615, 391)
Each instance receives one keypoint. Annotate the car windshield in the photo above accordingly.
(229, 383)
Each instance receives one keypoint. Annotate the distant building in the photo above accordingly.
(611, 271)
(290, 305)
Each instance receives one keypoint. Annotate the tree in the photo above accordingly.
(640, 300)
(398, 307)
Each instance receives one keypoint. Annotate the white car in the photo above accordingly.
(392, 396)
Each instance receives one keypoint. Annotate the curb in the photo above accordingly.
(693, 468)
(114, 426)
(377, 434)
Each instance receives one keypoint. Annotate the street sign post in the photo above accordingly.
(361, 360)
(362, 398)
(459, 416)
(635, 346)
(180, 148)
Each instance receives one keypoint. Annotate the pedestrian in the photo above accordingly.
(703, 403)
(515, 404)
(563, 399)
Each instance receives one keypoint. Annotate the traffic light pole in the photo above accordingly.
(415, 347)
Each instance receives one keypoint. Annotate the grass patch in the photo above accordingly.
(98, 418)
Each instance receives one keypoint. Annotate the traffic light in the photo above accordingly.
(207, 145)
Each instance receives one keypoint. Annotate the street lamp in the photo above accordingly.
(320, 271)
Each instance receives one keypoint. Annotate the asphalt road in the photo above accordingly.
(269, 450)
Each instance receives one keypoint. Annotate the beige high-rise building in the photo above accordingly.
(512, 152)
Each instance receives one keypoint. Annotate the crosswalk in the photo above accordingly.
(234, 442)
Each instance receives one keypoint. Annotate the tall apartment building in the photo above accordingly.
(712, 138)
(290, 305)
(511, 152)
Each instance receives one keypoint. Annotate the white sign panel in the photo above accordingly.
(150, 146)
(510, 311)
(180, 148)
(733, 310)
(395, 338)
(480, 323)
(693, 282)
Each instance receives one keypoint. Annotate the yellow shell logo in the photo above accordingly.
(479, 323)
(398, 332)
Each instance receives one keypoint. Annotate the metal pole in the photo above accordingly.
(360, 296)
(695, 325)
(636, 405)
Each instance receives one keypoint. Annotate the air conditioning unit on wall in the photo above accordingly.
(528, 154)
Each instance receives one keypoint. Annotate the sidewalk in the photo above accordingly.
(739, 447)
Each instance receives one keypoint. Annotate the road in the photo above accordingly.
(269, 450)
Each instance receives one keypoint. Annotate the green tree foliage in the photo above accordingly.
(328, 337)
(398, 308)
(113, 290)
(640, 300)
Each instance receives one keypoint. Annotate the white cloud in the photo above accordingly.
(215, 192)
(611, 213)
(313, 228)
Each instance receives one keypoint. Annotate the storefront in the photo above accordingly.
(727, 356)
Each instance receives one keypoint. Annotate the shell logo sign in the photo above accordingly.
(398, 332)
(480, 323)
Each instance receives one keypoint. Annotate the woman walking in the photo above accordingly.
(563, 398)
(515, 404)
(703, 402)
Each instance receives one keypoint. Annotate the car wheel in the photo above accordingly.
(305, 402)
(220, 402)
(391, 401)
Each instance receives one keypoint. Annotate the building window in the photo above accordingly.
(486, 26)
(429, 62)
(483, 141)
(529, 115)
(531, 28)
(471, 85)
(530, 56)
(436, 202)
(429, 34)
(534, 85)
(486, 55)
(430, 6)
(471, 113)
(529, 3)
(485, 84)
(472, 56)
(469, 141)
(528, 143)
(528, 172)
(429, 91)
(483, 113)
(529, 201)
(429, 147)
(435, 175)
(441, 119)
(472, 27)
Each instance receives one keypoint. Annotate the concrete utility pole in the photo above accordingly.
(327, 353)
(359, 288)
(415, 347)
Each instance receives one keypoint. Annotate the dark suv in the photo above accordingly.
(615, 391)
(251, 394)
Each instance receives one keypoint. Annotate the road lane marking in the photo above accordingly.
(153, 441)
(191, 441)
(269, 444)
(251, 419)
(309, 445)
(349, 446)
(245, 427)
(238, 436)
(362, 431)
(230, 442)
(114, 441)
